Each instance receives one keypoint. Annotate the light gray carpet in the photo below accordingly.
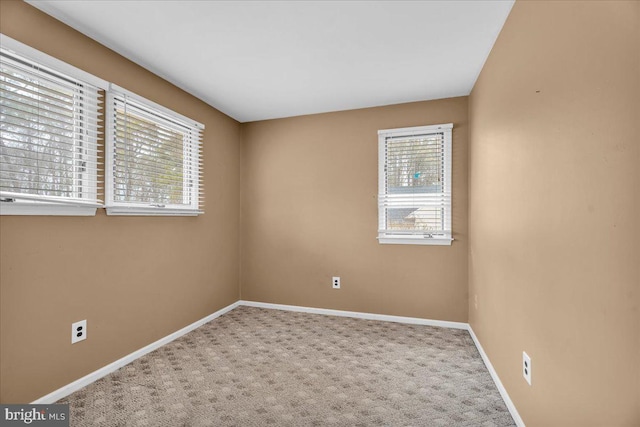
(259, 367)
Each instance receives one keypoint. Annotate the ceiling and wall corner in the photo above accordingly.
(264, 60)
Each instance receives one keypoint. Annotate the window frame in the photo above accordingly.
(442, 238)
(32, 204)
(114, 207)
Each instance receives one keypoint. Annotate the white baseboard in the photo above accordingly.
(503, 392)
(358, 315)
(96, 375)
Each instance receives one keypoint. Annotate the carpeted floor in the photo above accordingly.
(259, 367)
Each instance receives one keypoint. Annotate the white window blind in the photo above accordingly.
(49, 129)
(153, 158)
(414, 200)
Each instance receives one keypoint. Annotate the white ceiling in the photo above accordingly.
(269, 59)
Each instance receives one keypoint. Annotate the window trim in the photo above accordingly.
(386, 237)
(44, 209)
(140, 209)
(49, 207)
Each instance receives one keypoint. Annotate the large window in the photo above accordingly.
(49, 129)
(51, 144)
(414, 197)
(153, 158)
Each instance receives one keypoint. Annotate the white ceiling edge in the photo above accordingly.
(50, 10)
(237, 112)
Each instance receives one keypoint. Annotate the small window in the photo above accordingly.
(49, 125)
(153, 158)
(414, 196)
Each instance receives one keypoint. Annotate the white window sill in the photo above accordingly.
(404, 240)
(150, 211)
(45, 209)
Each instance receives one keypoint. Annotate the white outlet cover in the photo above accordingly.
(335, 281)
(526, 367)
(78, 331)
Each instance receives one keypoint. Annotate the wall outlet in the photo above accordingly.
(78, 331)
(336, 282)
(475, 301)
(526, 367)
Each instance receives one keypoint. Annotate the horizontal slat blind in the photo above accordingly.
(49, 129)
(154, 157)
(415, 182)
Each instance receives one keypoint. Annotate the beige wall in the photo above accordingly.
(554, 212)
(309, 212)
(134, 279)
(551, 262)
